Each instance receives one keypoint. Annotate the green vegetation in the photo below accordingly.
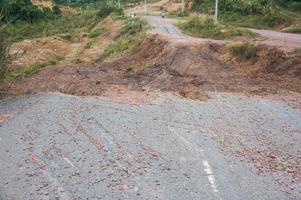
(89, 44)
(66, 36)
(65, 24)
(298, 50)
(252, 13)
(129, 69)
(296, 29)
(206, 28)
(272, 18)
(3, 55)
(293, 5)
(93, 35)
(245, 51)
(97, 32)
(179, 13)
(9, 76)
(24, 10)
(130, 36)
(82, 21)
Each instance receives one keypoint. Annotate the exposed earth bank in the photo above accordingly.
(188, 68)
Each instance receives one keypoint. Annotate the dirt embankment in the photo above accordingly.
(158, 64)
(163, 65)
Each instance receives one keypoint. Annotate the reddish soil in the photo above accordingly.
(158, 64)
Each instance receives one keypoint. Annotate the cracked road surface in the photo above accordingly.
(56, 146)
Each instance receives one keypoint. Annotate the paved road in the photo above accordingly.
(57, 146)
(165, 26)
(271, 38)
(279, 39)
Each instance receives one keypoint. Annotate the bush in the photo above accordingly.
(274, 17)
(105, 10)
(68, 25)
(206, 28)
(203, 27)
(56, 10)
(179, 13)
(97, 32)
(132, 27)
(24, 10)
(3, 55)
(251, 13)
(130, 36)
(27, 71)
(245, 51)
(293, 5)
(244, 7)
(293, 30)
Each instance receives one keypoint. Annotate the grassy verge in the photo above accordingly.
(97, 32)
(3, 55)
(9, 76)
(296, 29)
(271, 19)
(204, 27)
(64, 24)
(130, 36)
(264, 14)
(83, 21)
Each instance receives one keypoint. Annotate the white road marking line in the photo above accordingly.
(69, 161)
(208, 170)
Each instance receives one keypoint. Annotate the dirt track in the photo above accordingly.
(138, 140)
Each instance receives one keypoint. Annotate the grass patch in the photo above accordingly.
(270, 19)
(89, 44)
(67, 25)
(26, 72)
(130, 36)
(66, 36)
(293, 30)
(245, 51)
(298, 50)
(179, 13)
(129, 69)
(97, 32)
(4, 56)
(206, 28)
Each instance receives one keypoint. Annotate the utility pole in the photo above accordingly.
(216, 11)
(182, 6)
(145, 7)
(118, 3)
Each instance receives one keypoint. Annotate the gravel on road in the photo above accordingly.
(56, 146)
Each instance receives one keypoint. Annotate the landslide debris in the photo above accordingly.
(160, 64)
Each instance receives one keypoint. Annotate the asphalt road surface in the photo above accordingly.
(58, 146)
(162, 25)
